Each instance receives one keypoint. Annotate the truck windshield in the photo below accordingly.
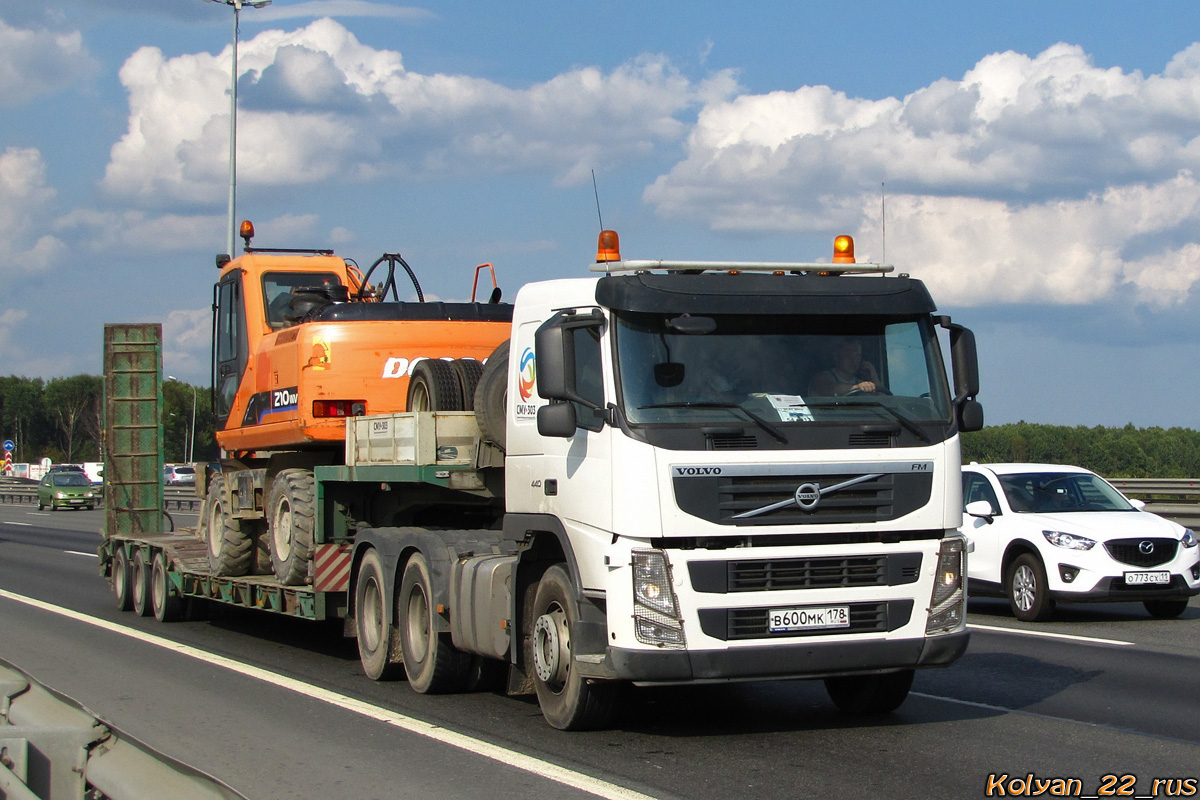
(781, 369)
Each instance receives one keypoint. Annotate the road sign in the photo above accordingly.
(9, 445)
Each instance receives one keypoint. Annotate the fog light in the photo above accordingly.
(1067, 572)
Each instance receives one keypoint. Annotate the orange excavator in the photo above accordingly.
(303, 339)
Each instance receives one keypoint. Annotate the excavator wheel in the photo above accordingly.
(291, 510)
(230, 541)
(435, 386)
(491, 396)
(469, 372)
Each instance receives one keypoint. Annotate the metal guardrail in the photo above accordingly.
(52, 747)
(175, 498)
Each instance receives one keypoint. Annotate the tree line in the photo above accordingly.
(62, 419)
(1126, 452)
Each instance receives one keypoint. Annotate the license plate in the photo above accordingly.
(1143, 578)
(781, 620)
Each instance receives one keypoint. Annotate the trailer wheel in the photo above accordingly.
(290, 525)
(435, 386)
(870, 694)
(376, 643)
(431, 661)
(491, 396)
(569, 702)
(167, 607)
(120, 579)
(140, 583)
(230, 541)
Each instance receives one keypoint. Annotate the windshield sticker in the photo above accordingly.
(789, 407)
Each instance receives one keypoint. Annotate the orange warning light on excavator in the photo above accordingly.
(608, 248)
(843, 250)
(247, 231)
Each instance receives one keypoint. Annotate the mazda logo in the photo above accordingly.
(1146, 548)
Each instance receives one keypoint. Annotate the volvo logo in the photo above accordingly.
(1146, 547)
(808, 495)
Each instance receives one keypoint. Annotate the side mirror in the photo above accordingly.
(554, 346)
(557, 419)
(970, 416)
(1140, 505)
(980, 508)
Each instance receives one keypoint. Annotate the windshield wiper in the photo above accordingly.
(903, 420)
(761, 422)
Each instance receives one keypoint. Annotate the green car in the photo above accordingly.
(66, 490)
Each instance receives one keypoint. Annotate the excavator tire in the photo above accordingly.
(469, 372)
(491, 396)
(290, 522)
(435, 386)
(230, 541)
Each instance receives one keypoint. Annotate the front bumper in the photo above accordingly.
(778, 660)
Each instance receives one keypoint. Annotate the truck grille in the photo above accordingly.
(1131, 551)
(731, 624)
(719, 498)
(787, 574)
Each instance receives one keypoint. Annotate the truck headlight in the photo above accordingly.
(656, 617)
(1070, 541)
(947, 606)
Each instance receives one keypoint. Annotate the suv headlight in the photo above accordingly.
(1189, 538)
(1069, 540)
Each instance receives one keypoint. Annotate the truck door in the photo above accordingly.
(230, 347)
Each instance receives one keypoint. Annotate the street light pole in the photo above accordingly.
(191, 442)
(237, 6)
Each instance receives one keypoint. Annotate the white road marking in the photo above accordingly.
(535, 766)
(1047, 634)
(81, 553)
(26, 524)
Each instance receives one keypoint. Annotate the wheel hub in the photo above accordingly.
(550, 645)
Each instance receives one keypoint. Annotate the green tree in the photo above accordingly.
(73, 404)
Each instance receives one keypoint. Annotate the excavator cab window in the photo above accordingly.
(231, 348)
(277, 292)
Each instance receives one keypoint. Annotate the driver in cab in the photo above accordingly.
(848, 374)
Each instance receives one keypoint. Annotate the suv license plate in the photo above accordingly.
(781, 620)
(1142, 578)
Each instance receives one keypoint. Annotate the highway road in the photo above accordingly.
(280, 708)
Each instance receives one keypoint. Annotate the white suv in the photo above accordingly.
(1043, 533)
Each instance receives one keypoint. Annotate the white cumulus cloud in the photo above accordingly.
(38, 62)
(316, 104)
(24, 200)
(1040, 178)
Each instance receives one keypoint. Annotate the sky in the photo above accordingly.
(1037, 164)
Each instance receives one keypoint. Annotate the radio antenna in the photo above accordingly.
(596, 189)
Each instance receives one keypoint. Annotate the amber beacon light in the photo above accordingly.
(843, 250)
(608, 248)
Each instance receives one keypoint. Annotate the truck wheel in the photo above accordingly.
(167, 607)
(376, 644)
(870, 694)
(469, 372)
(491, 396)
(230, 541)
(139, 579)
(431, 661)
(291, 523)
(120, 579)
(1028, 592)
(569, 702)
(434, 386)
(1166, 609)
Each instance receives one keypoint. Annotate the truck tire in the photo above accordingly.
(120, 579)
(431, 661)
(230, 541)
(376, 642)
(870, 694)
(434, 386)
(290, 521)
(167, 607)
(1027, 589)
(139, 579)
(469, 372)
(491, 396)
(569, 702)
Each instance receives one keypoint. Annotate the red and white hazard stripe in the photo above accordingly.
(331, 567)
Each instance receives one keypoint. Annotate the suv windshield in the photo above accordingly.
(1046, 492)
(782, 369)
